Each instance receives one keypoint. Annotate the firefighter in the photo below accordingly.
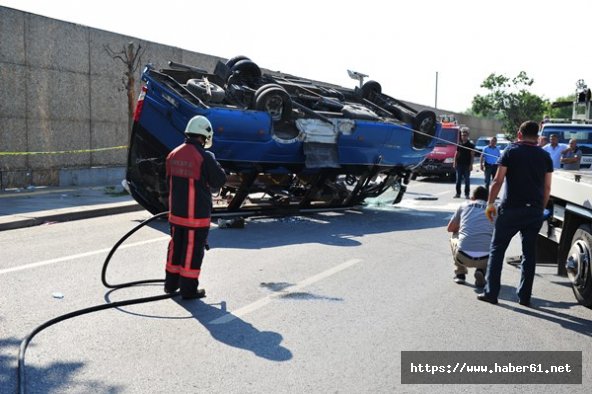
(192, 172)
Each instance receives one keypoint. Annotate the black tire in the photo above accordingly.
(275, 101)
(198, 87)
(246, 69)
(263, 88)
(370, 89)
(425, 123)
(580, 260)
(232, 61)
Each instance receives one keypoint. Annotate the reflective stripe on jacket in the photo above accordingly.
(191, 171)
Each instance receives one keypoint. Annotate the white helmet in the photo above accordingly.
(200, 125)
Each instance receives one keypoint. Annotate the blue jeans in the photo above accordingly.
(463, 171)
(490, 170)
(527, 221)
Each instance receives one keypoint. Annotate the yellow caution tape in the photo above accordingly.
(62, 151)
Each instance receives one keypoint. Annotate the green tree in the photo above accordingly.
(509, 101)
(559, 111)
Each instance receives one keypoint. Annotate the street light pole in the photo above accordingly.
(436, 99)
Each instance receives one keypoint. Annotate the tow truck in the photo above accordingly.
(579, 126)
(565, 238)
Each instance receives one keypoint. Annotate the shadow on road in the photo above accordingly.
(332, 228)
(233, 331)
(336, 228)
(54, 378)
(569, 322)
(545, 309)
(477, 179)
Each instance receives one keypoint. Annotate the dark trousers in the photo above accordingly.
(490, 170)
(184, 257)
(527, 221)
(463, 171)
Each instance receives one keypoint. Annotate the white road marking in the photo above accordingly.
(421, 207)
(77, 256)
(293, 289)
(444, 192)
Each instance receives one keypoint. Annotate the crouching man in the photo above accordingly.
(471, 237)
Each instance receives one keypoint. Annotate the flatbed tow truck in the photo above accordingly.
(565, 238)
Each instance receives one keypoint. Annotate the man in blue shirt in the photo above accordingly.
(527, 171)
(489, 157)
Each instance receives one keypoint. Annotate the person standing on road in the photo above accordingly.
(554, 149)
(463, 162)
(527, 171)
(489, 158)
(471, 237)
(191, 173)
(571, 157)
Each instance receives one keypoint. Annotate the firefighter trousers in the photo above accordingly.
(184, 258)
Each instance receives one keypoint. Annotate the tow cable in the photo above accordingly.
(21, 382)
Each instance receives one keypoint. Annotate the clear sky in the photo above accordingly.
(401, 44)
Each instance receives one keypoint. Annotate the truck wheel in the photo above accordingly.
(263, 88)
(232, 61)
(246, 69)
(275, 101)
(425, 123)
(578, 265)
(370, 89)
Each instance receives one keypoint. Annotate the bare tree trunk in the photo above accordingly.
(131, 90)
(131, 58)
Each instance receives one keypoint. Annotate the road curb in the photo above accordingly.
(12, 222)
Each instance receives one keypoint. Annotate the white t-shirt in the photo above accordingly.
(555, 153)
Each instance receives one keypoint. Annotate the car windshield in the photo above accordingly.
(502, 145)
(564, 134)
(482, 142)
(449, 136)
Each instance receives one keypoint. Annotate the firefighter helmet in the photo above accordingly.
(200, 125)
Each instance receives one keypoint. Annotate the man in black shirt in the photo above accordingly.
(463, 162)
(527, 169)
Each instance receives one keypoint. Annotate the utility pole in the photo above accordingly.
(436, 99)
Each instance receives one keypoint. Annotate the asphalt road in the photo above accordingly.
(321, 303)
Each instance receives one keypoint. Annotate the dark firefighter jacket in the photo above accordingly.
(191, 172)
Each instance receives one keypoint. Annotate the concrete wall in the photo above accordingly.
(60, 90)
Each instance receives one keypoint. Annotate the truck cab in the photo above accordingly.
(579, 126)
(440, 161)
